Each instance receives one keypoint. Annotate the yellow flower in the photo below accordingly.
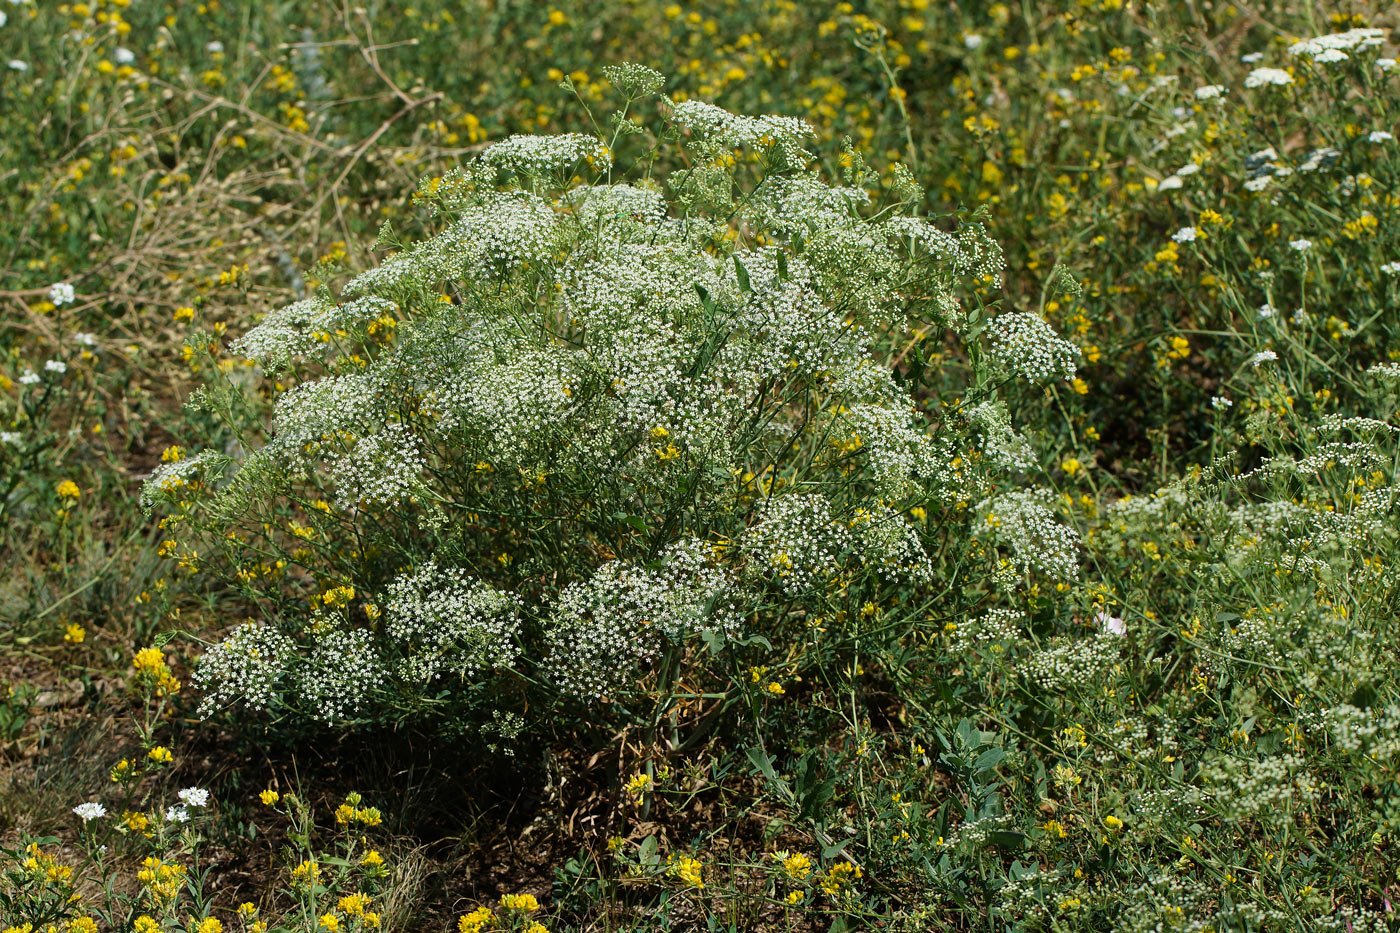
(840, 876)
(160, 754)
(330, 922)
(1113, 823)
(688, 871)
(69, 489)
(475, 921)
(525, 902)
(1070, 466)
(209, 925)
(353, 905)
(148, 659)
(372, 859)
(74, 634)
(306, 874)
(796, 866)
(640, 784)
(269, 797)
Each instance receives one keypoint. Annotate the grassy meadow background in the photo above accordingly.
(1200, 732)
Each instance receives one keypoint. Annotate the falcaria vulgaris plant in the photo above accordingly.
(609, 422)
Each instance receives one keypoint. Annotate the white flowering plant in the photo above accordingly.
(605, 415)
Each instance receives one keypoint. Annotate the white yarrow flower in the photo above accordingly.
(1266, 77)
(61, 293)
(1263, 356)
(1185, 235)
(177, 815)
(90, 811)
(1209, 92)
(194, 797)
(55, 366)
(1379, 136)
(1301, 245)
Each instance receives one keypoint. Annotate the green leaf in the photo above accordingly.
(830, 852)
(646, 852)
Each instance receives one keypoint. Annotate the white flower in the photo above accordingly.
(214, 47)
(1185, 235)
(123, 55)
(1030, 348)
(177, 815)
(87, 340)
(1190, 168)
(1385, 64)
(3, 18)
(17, 65)
(1209, 92)
(29, 378)
(1263, 356)
(1220, 402)
(1300, 244)
(972, 41)
(1379, 136)
(61, 293)
(194, 797)
(1170, 183)
(90, 811)
(11, 437)
(1257, 184)
(1251, 58)
(1391, 268)
(1111, 624)
(55, 366)
(1266, 311)
(1260, 77)
(1325, 48)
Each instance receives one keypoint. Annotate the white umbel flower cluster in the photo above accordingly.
(247, 666)
(604, 627)
(598, 418)
(1319, 46)
(1038, 541)
(451, 623)
(542, 155)
(1028, 347)
(342, 674)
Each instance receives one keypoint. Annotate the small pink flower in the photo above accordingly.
(1111, 624)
